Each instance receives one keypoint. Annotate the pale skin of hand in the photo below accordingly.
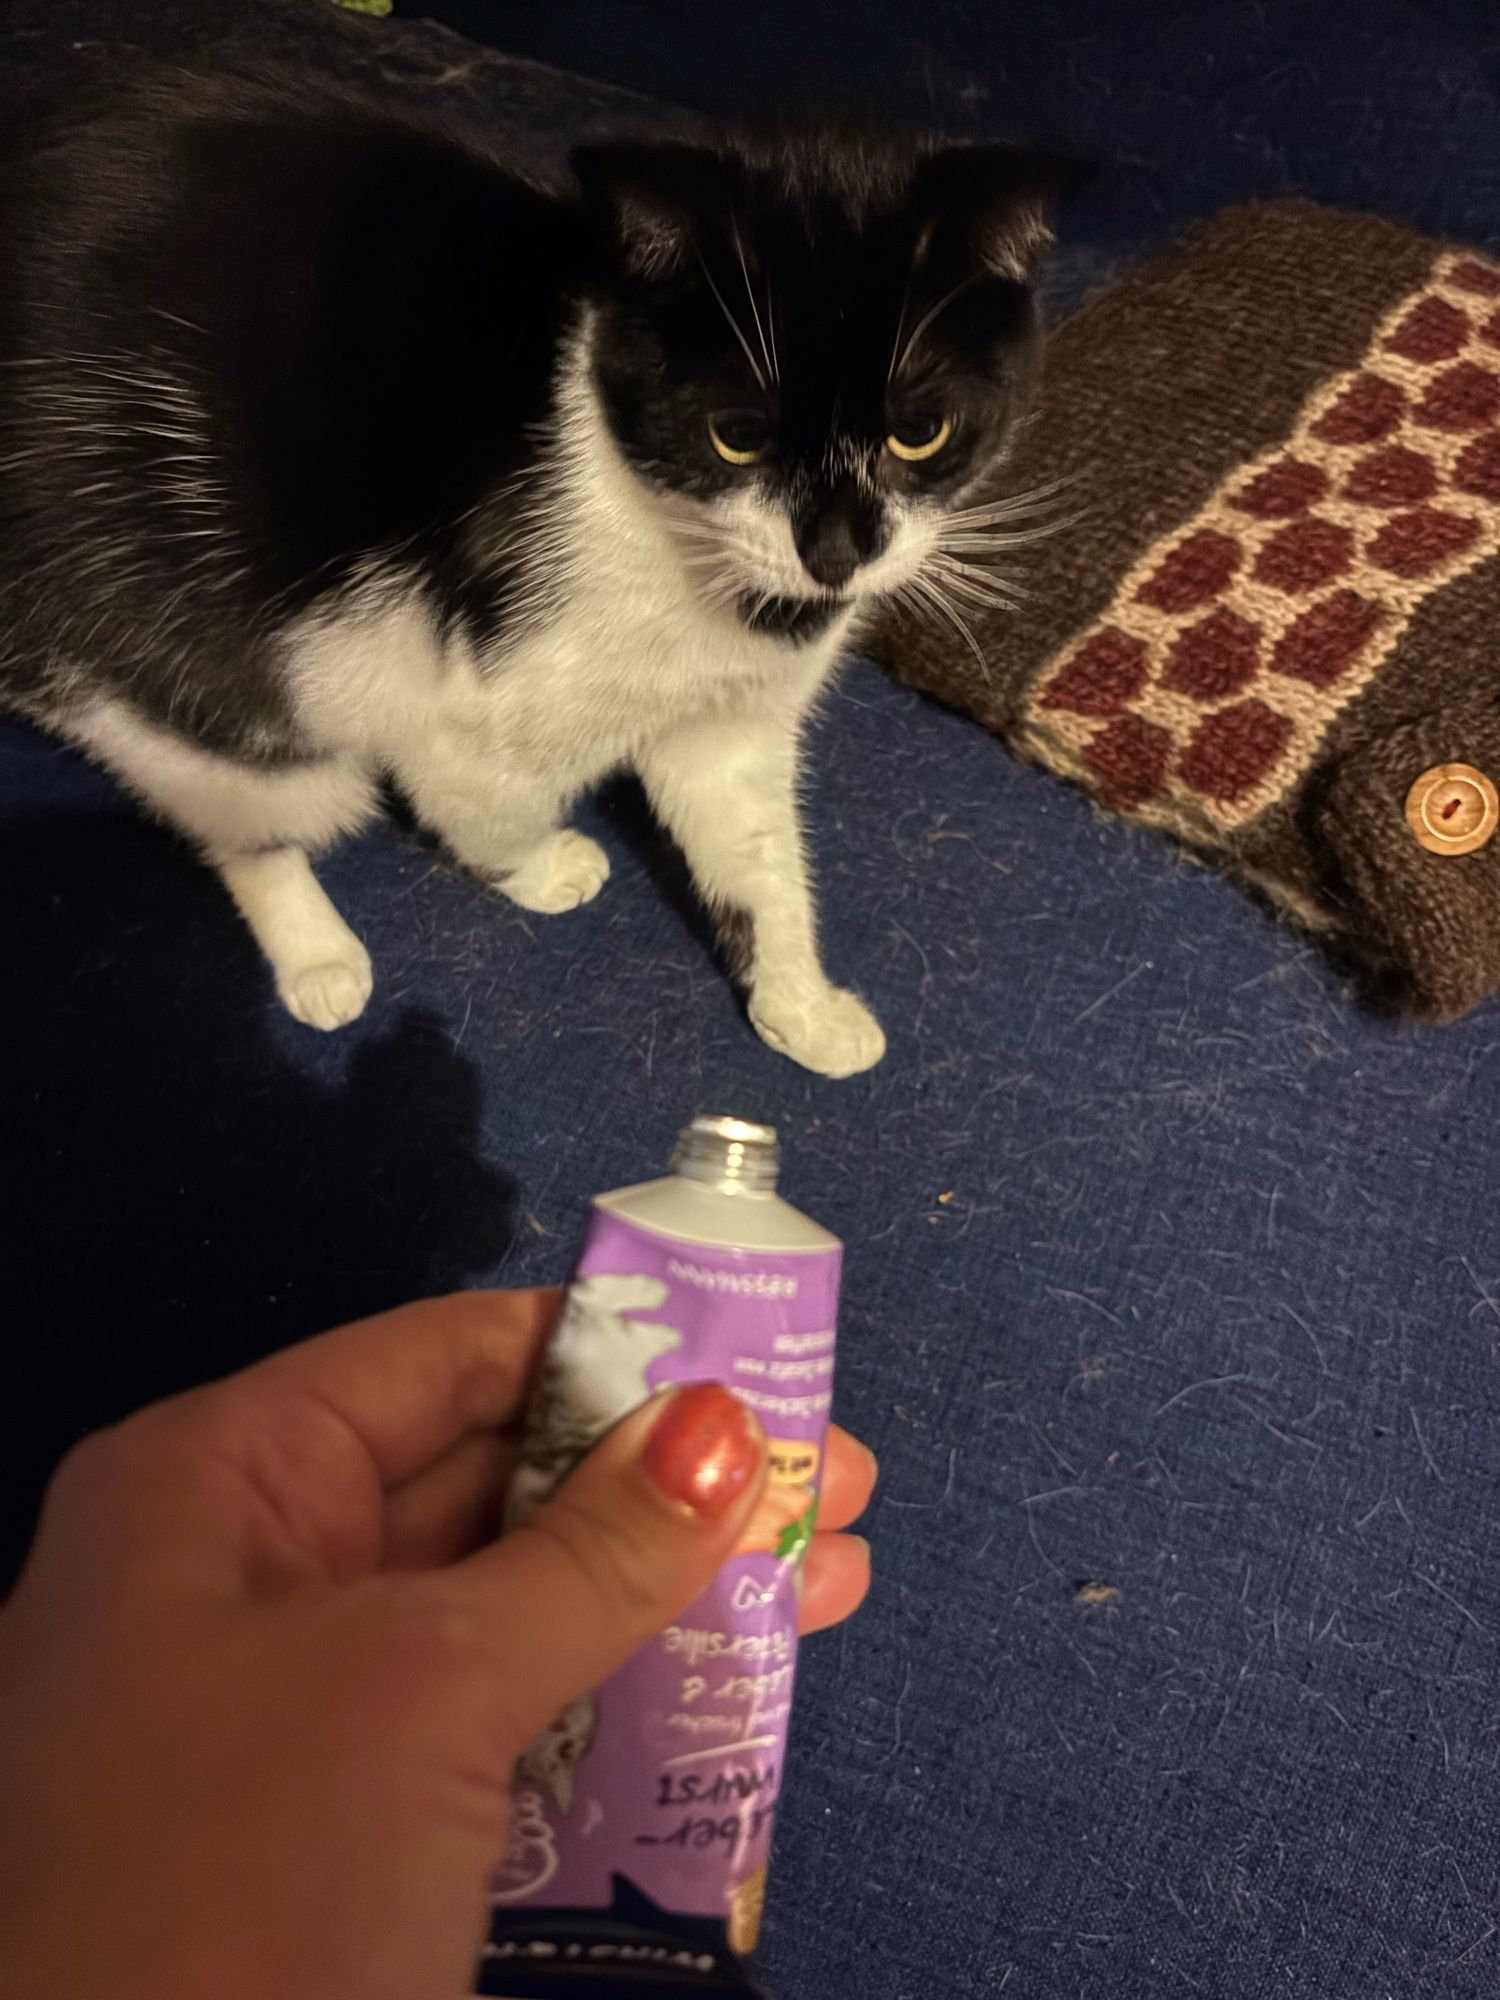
(267, 1672)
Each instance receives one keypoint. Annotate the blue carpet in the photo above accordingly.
(1173, 1297)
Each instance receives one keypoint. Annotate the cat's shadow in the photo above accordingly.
(177, 1198)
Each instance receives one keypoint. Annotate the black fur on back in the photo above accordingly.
(251, 340)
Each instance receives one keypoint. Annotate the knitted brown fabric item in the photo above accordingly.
(1270, 608)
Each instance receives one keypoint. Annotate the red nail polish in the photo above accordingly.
(705, 1449)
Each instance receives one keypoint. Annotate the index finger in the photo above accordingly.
(411, 1383)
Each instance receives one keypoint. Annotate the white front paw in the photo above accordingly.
(820, 1027)
(332, 992)
(561, 872)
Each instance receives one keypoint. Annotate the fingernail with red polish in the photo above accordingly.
(705, 1449)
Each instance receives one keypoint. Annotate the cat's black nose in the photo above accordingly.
(829, 554)
(834, 542)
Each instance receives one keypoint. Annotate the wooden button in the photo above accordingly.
(1453, 809)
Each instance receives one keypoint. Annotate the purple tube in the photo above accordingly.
(642, 1818)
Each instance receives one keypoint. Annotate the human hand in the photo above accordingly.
(266, 1674)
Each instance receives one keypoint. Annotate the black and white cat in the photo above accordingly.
(334, 453)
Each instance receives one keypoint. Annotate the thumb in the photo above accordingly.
(633, 1536)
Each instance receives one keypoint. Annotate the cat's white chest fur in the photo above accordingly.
(627, 662)
(618, 653)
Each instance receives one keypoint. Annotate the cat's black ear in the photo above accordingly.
(995, 205)
(647, 197)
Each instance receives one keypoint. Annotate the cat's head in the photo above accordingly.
(810, 351)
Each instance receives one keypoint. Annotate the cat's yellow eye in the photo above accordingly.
(914, 442)
(740, 438)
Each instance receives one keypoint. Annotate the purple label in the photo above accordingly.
(668, 1776)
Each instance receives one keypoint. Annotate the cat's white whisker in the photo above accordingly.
(927, 589)
(988, 556)
(1039, 503)
(974, 601)
(1003, 529)
(981, 537)
(1018, 520)
(977, 587)
(739, 251)
(984, 568)
(900, 324)
(734, 324)
(1042, 490)
(927, 319)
